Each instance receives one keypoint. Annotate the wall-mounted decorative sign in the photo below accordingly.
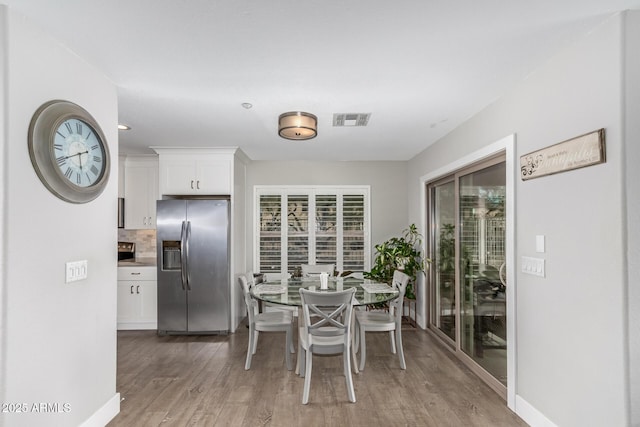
(578, 152)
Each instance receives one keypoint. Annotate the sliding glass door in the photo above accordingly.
(467, 246)
(443, 277)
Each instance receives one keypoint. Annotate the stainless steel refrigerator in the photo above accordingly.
(193, 266)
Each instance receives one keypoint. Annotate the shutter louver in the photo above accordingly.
(297, 231)
(326, 229)
(270, 233)
(353, 232)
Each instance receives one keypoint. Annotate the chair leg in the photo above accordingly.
(354, 357)
(355, 341)
(300, 367)
(347, 373)
(255, 339)
(250, 349)
(356, 337)
(287, 347)
(363, 348)
(392, 340)
(307, 377)
(403, 365)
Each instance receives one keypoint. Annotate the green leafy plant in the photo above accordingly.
(447, 249)
(400, 253)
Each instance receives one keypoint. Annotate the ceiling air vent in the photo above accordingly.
(351, 119)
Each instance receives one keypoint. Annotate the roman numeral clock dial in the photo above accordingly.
(79, 154)
(69, 151)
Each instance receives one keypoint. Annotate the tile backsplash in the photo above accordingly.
(145, 241)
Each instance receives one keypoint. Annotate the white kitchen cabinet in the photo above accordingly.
(137, 298)
(195, 171)
(140, 192)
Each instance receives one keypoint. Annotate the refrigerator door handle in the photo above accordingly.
(186, 250)
(183, 256)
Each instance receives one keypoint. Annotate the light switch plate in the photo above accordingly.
(540, 243)
(533, 266)
(76, 270)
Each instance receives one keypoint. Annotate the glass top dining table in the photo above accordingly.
(287, 291)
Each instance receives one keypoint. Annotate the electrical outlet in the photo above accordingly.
(533, 266)
(76, 270)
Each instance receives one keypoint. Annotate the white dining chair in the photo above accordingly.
(277, 321)
(326, 330)
(309, 270)
(251, 280)
(379, 321)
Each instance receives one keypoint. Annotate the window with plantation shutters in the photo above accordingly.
(326, 229)
(297, 231)
(270, 231)
(353, 226)
(324, 225)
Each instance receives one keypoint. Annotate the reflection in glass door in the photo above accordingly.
(482, 241)
(467, 247)
(443, 259)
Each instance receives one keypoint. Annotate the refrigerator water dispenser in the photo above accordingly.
(170, 255)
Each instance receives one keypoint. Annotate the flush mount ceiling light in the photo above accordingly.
(123, 127)
(297, 125)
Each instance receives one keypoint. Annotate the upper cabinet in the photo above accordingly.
(140, 192)
(196, 171)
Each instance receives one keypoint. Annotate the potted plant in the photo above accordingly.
(399, 253)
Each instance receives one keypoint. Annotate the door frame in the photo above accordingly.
(506, 145)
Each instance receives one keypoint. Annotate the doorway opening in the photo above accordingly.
(466, 217)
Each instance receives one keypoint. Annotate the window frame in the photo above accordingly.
(311, 192)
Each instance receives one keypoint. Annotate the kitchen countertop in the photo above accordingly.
(138, 262)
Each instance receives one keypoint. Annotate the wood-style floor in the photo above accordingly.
(201, 381)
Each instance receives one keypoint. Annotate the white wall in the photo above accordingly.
(632, 159)
(4, 111)
(571, 339)
(388, 181)
(59, 339)
(240, 213)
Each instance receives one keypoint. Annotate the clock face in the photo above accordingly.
(79, 152)
(68, 151)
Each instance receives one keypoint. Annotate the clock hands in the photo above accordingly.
(77, 154)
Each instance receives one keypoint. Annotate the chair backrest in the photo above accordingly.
(271, 277)
(244, 283)
(400, 281)
(250, 303)
(251, 280)
(328, 314)
(316, 269)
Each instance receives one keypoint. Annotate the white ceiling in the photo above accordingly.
(420, 67)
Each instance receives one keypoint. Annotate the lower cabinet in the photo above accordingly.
(137, 298)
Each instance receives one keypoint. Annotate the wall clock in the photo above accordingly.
(69, 151)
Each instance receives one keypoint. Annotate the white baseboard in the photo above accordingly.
(132, 326)
(531, 415)
(102, 416)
